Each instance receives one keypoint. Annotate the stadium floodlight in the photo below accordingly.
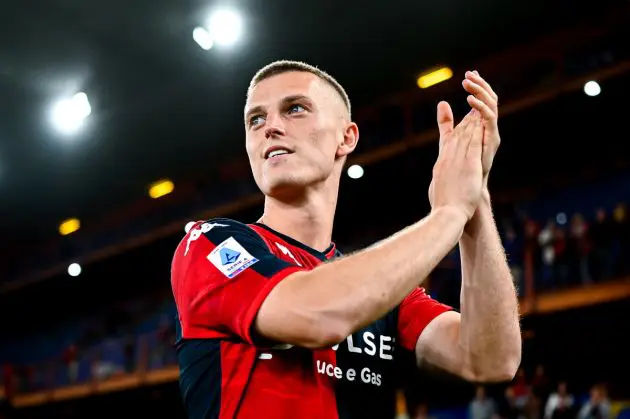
(203, 38)
(74, 269)
(434, 77)
(161, 188)
(592, 88)
(355, 171)
(225, 27)
(69, 226)
(69, 114)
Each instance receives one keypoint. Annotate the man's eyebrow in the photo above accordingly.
(296, 98)
(252, 111)
(287, 99)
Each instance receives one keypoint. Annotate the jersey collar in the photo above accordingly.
(327, 254)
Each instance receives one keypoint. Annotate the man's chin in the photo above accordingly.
(285, 187)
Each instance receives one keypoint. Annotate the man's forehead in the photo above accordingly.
(277, 87)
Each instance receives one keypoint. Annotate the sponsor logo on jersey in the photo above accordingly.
(196, 232)
(287, 252)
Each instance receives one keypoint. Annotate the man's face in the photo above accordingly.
(295, 126)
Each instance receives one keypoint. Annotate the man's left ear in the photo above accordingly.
(350, 140)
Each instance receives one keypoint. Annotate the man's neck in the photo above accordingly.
(308, 220)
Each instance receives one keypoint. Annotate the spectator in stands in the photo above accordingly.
(579, 248)
(560, 404)
(482, 406)
(547, 253)
(71, 361)
(602, 233)
(519, 394)
(540, 389)
(422, 412)
(101, 369)
(540, 383)
(164, 342)
(506, 408)
(598, 405)
(561, 257)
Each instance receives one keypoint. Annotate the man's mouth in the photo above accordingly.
(276, 151)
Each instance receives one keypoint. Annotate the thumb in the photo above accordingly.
(444, 120)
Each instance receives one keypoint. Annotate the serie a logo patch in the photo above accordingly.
(230, 258)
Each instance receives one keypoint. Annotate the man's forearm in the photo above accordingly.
(490, 330)
(345, 295)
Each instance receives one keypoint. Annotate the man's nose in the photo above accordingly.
(275, 126)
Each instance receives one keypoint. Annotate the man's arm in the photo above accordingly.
(489, 303)
(321, 307)
(483, 343)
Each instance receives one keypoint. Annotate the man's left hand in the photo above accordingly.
(483, 99)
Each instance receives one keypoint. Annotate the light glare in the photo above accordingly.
(202, 38)
(69, 226)
(434, 77)
(68, 115)
(74, 269)
(225, 27)
(161, 188)
(592, 88)
(355, 171)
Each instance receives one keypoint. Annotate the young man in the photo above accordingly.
(273, 322)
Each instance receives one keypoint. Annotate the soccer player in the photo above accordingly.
(274, 322)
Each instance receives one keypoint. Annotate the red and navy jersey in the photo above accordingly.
(222, 272)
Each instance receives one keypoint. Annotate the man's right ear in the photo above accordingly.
(350, 140)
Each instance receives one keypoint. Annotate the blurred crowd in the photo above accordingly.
(113, 348)
(568, 250)
(578, 250)
(537, 397)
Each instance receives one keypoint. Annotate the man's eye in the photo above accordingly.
(256, 120)
(296, 108)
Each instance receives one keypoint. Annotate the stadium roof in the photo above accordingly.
(164, 107)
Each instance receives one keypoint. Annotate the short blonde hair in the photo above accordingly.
(285, 66)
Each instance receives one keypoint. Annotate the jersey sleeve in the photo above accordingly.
(221, 273)
(415, 312)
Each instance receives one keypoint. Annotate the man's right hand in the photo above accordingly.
(458, 174)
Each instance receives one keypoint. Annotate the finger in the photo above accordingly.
(464, 122)
(475, 145)
(445, 121)
(486, 112)
(475, 77)
(465, 134)
(480, 93)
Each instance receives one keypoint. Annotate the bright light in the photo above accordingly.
(161, 188)
(68, 115)
(74, 269)
(188, 226)
(434, 77)
(69, 226)
(225, 27)
(355, 171)
(592, 88)
(203, 38)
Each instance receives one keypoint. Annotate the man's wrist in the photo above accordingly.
(452, 213)
(483, 210)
